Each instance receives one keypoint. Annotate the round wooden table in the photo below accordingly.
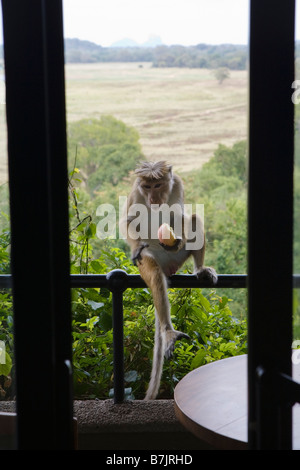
(211, 402)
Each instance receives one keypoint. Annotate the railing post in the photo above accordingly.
(117, 283)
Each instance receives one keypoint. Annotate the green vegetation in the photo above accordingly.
(106, 150)
(231, 56)
(6, 319)
(221, 74)
(223, 180)
(221, 185)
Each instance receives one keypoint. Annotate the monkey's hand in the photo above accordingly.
(207, 274)
(167, 238)
(136, 254)
(178, 244)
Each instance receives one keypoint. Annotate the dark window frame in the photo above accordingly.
(37, 160)
(35, 98)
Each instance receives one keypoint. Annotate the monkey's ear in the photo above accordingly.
(170, 169)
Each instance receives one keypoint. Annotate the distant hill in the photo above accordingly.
(152, 41)
(232, 56)
(126, 42)
(77, 50)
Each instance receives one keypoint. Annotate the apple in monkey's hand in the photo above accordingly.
(166, 235)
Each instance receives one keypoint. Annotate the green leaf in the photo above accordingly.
(6, 367)
(96, 266)
(91, 230)
(131, 376)
(105, 321)
(223, 301)
(91, 322)
(198, 359)
(95, 305)
(204, 302)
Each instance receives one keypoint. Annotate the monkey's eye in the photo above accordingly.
(158, 185)
(146, 186)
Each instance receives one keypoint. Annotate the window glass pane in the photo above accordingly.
(159, 80)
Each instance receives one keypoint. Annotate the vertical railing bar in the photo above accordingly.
(118, 345)
(117, 282)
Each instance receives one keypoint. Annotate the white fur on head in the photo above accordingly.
(153, 170)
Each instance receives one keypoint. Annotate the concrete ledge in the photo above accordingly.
(96, 416)
(133, 425)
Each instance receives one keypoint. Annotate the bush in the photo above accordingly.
(105, 150)
(6, 322)
(222, 186)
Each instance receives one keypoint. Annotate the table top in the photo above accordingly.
(211, 402)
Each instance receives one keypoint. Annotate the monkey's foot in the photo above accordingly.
(136, 255)
(171, 336)
(207, 274)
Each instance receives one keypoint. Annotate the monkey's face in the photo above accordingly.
(155, 191)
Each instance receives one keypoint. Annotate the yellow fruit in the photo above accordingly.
(166, 235)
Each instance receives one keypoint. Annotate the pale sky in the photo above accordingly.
(186, 22)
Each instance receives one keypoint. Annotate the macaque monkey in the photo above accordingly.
(157, 187)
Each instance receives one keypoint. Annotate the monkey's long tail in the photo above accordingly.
(157, 363)
(165, 335)
(163, 347)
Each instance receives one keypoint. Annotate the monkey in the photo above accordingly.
(156, 186)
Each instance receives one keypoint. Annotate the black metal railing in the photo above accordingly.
(117, 281)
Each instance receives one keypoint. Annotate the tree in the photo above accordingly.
(221, 74)
(105, 150)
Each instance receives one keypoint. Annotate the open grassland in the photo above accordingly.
(181, 114)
